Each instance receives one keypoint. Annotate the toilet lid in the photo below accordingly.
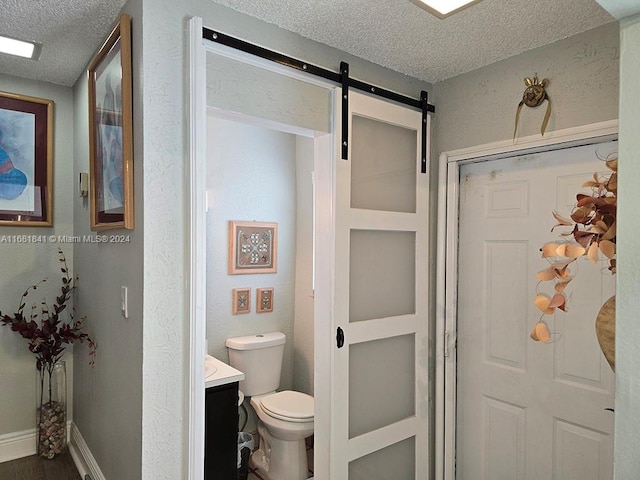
(290, 406)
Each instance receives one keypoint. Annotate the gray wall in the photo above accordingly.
(261, 174)
(25, 264)
(251, 177)
(109, 395)
(479, 107)
(303, 326)
(627, 440)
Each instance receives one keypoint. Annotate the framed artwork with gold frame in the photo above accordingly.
(26, 161)
(110, 131)
(253, 247)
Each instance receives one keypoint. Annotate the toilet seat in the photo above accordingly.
(289, 406)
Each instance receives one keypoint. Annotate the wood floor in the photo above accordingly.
(36, 468)
(63, 468)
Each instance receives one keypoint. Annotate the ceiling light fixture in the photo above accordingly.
(444, 8)
(18, 47)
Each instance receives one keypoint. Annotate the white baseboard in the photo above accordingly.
(82, 456)
(17, 445)
(23, 444)
(20, 444)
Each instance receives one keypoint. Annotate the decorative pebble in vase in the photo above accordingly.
(51, 409)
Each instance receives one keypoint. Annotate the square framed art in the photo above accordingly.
(26, 161)
(253, 247)
(264, 300)
(241, 300)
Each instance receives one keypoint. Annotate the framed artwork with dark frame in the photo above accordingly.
(110, 131)
(241, 301)
(26, 161)
(253, 247)
(264, 300)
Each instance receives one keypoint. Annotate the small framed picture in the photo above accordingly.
(264, 300)
(253, 247)
(241, 300)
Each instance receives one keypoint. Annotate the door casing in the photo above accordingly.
(447, 267)
(323, 153)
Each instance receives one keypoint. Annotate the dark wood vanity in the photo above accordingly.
(221, 432)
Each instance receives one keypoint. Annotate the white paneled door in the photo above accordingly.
(380, 408)
(526, 410)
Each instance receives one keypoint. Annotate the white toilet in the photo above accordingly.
(285, 418)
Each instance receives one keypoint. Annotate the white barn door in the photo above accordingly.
(527, 410)
(379, 427)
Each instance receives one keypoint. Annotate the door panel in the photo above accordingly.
(394, 462)
(380, 426)
(387, 261)
(383, 174)
(506, 334)
(379, 369)
(504, 437)
(528, 410)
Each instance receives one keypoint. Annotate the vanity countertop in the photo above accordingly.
(221, 374)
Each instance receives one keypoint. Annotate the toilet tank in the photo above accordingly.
(259, 357)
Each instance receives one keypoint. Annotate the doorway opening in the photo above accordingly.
(278, 120)
(350, 216)
(258, 173)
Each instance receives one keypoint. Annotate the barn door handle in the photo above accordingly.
(339, 337)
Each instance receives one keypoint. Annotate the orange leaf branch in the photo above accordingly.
(592, 226)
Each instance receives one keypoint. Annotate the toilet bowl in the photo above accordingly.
(285, 419)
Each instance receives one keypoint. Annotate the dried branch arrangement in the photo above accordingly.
(592, 230)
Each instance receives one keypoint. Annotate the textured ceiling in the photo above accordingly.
(394, 33)
(70, 32)
(402, 36)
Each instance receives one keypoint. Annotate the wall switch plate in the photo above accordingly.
(124, 301)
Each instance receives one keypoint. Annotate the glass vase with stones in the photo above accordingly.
(51, 409)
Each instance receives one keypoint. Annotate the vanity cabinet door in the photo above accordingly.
(221, 432)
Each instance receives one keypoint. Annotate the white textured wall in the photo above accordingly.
(108, 397)
(243, 88)
(479, 107)
(251, 176)
(25, 264)
(161, 126)
(627, 440)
